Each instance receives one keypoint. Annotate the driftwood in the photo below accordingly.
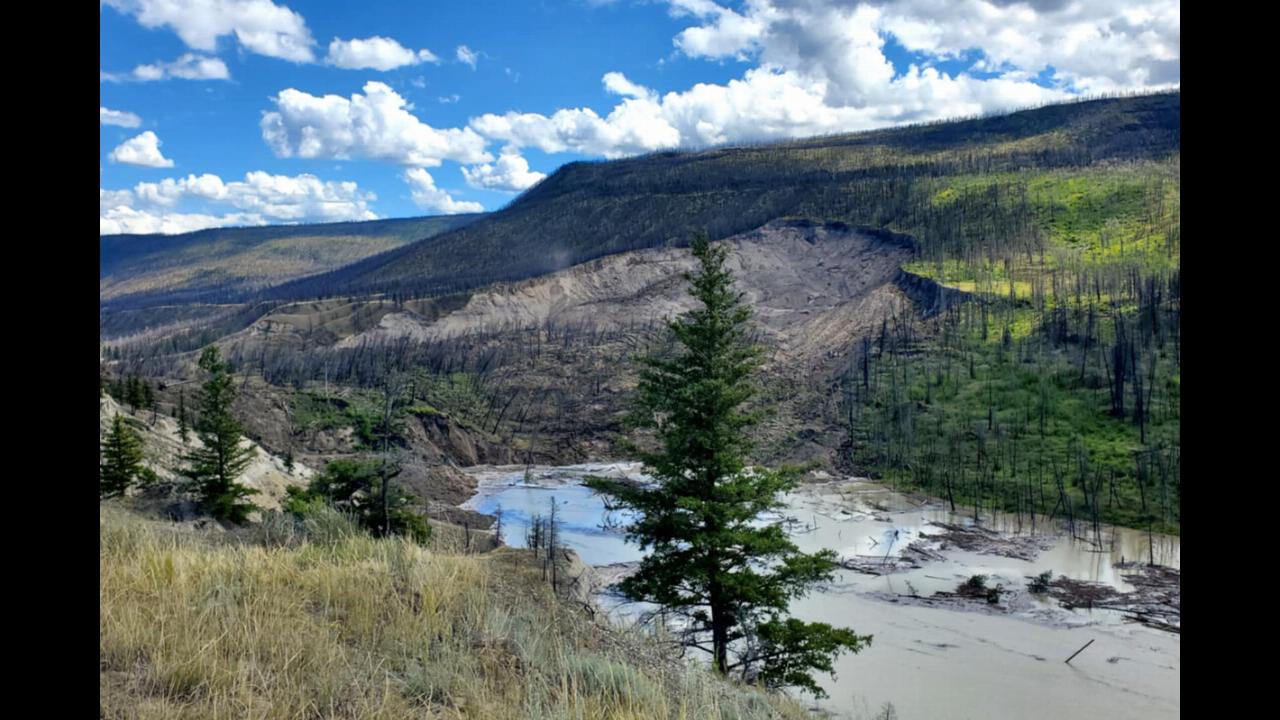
(1074, 654)
(1155, 601)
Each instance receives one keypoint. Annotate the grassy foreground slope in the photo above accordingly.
(337, 624)
(223, 263)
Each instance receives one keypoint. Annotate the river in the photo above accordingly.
(955, 661)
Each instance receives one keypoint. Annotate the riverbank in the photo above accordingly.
(932, 657)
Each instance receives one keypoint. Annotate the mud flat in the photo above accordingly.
(936, 653)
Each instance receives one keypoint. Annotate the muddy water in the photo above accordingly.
(958, 661)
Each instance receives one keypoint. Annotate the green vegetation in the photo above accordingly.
(354, 487)
(1040, 583)
(883, 179)
(1053, 388)
(217, 463)
(708, 562)
(326, 621)
(457, 396)
(121, 459)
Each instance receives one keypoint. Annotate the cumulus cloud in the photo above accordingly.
(188, 67)
(1092, 46)
(260, 26)
(376, 126)
(142, 150)
(468, 56)
(509, 174)
(636, 125)
(726, 34)
(429, 197)
(820, 66)
(118, 117)
(122, 219)
(375, 53)
(259, 199)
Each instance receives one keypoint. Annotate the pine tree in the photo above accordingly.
(133, 393)
(214, 467)
(355, 486)
(183, 428)
(709, 559)
(121, 459)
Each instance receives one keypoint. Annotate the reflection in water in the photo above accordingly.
(929, 662)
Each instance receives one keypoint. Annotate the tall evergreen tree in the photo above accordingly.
(133, 393)
(218, 462)
(121, 459)
(710, 561)
(183, 427)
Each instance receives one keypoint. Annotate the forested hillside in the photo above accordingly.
(1046, 381)
(886, 178)
(222, 264)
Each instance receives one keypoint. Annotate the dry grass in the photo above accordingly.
(341, 625)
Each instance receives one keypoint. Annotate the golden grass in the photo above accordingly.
(201, 626)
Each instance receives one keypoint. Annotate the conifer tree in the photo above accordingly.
(218, 462)
(183, 427)
(710, 561)
(121, 459)
(133, 393)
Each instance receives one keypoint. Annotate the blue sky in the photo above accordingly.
(230, 112)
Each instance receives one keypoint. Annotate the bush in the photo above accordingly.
(615, 684)
(1040, 583)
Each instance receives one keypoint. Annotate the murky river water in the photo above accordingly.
(929, 662)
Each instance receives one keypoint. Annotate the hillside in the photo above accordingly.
(885, 178)
(317, 619)
(988, 310)
(224, 263)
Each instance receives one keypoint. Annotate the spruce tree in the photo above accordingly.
(133, 393)
(218, 462)
(710, 561)
(121, 459)
(183, 428)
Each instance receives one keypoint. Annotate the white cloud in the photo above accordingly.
(259, 199)
(429, 197)
(636, 125)
(449, 99)
(260, 26)
(468, 56)
(118, 117)
(509, 174)
(618, 84)
(376, 126)
(1093, 45)
(375, 53)
(188, 67)
(108, 199)
(730, 34)
(142, 150)
(123, 219)
(821, 67)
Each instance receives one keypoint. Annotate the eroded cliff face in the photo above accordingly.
(562, 344)
(809, 285)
